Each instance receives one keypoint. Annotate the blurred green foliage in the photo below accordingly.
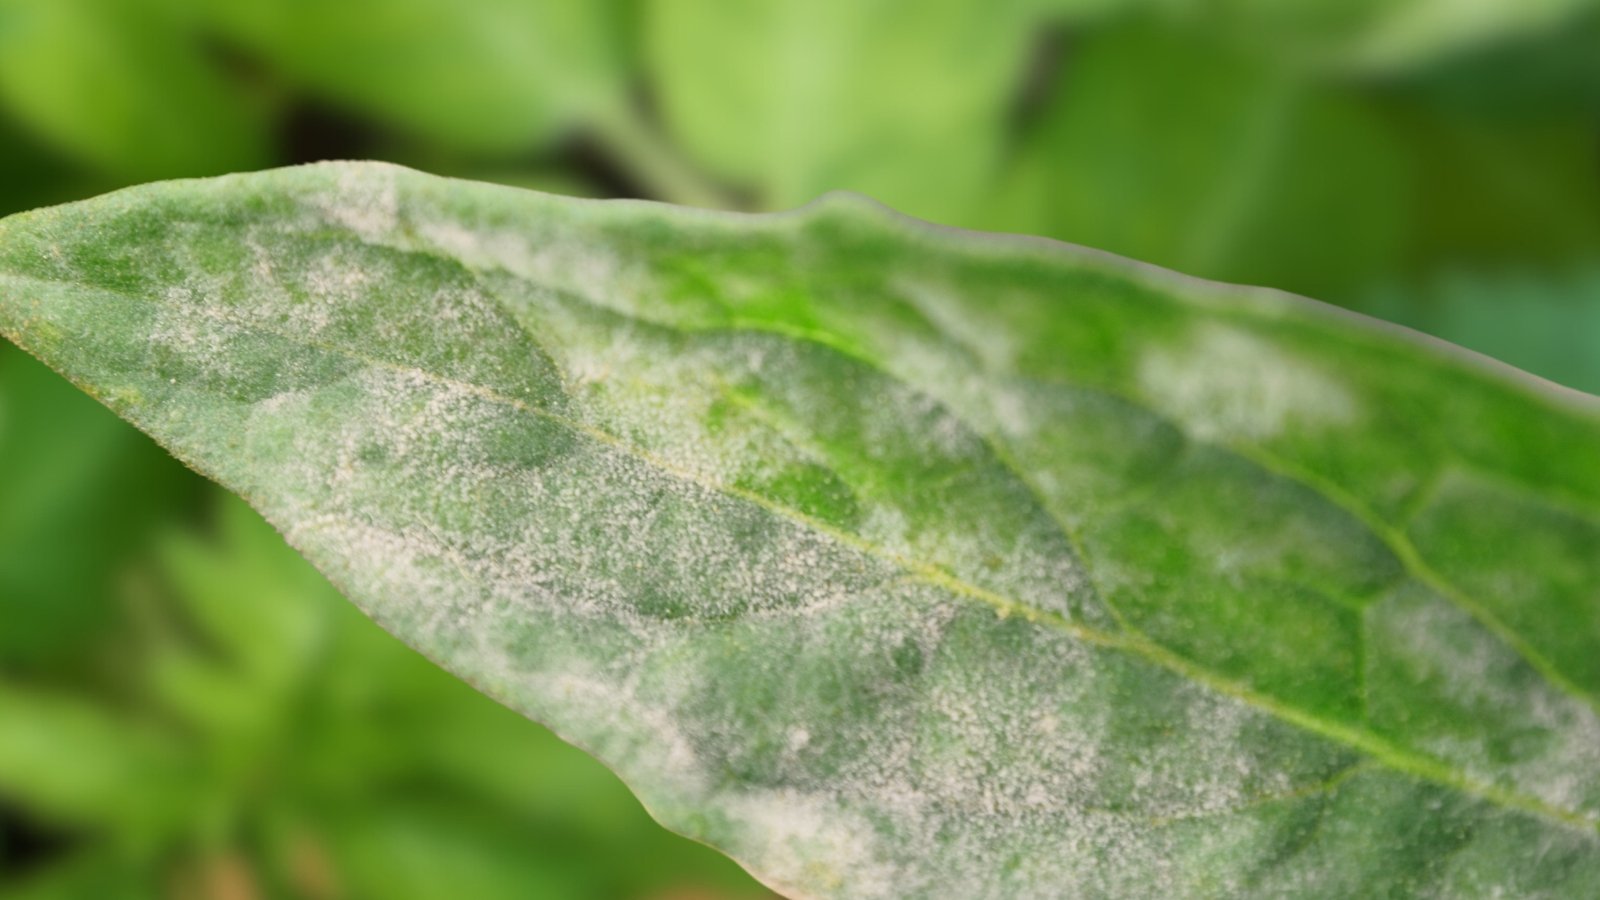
(187, 711)
(245, 732)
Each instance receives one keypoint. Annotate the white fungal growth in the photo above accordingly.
(367, 202)
(1451, 662)
(966, 324)
(1225, 383)
(806, 839)
(591, 270)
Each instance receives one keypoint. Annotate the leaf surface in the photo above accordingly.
(893, 561)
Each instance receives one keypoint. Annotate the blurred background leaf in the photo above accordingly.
(80, 496)
(905, 100)
(491, 77)
(1207, 160)
(187, 710)
(125, 87)
(1379, 35)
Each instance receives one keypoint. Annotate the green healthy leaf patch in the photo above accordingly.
(892, 561)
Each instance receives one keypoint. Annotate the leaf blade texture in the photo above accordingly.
(891, 560)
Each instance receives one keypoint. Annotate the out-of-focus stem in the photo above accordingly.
(654, 162)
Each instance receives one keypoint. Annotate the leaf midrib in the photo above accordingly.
(1385, 752)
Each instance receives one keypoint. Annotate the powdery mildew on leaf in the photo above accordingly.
(890, 561)
(1225, 383)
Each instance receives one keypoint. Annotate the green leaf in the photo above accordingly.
(411, 850)
(69, 761)
(484, 76)
(1504, 189)
(892, 560)
(1158, 145)
(798, 97)
(1381, 36)
(81, 495)
(124, 85)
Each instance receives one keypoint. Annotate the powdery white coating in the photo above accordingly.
(742, 410)
(812, 841)
(1428, 642)
(1053, 763)
(577, 692)
(992, 345)
(552, 262)
(978, 772)
(366, 203)
(823, 611)
(1224, 383)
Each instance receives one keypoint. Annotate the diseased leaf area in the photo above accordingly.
(892, 561)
